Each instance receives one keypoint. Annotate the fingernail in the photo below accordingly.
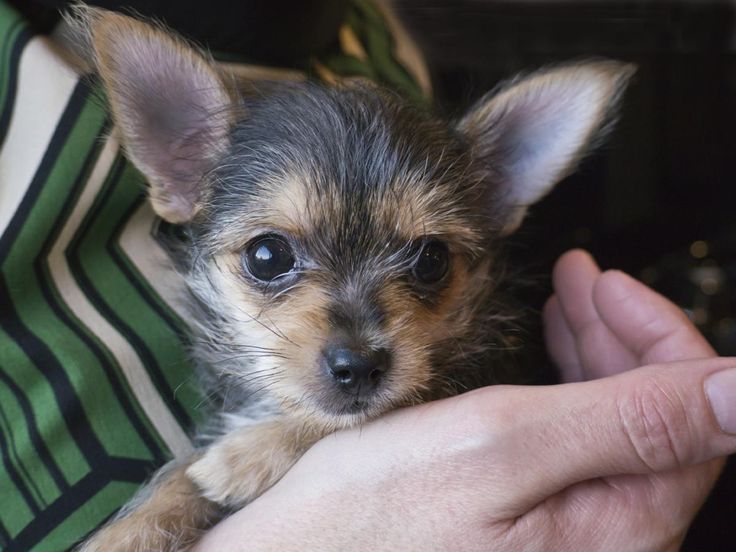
(721, 391)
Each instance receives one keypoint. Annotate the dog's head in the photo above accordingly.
(342, 239)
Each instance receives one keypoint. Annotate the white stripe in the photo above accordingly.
(45, 84)
(151, 260)
(136, 374)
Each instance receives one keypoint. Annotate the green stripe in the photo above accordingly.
(14, 513)
(19, 440)
(371, 27)
(343, 64)
(120, 295)
(19, 368)
(380, 65)
(8, 17)
(87, 517)
(106, 413)
(186, 392)
(11, 25)
(90, 383)
(9, 30)
(116, 444)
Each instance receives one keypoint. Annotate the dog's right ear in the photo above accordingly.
(169, 103)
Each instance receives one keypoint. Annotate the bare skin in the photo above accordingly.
(619, 457)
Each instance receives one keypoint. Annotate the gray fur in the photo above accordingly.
(362, 179)
(358, 146)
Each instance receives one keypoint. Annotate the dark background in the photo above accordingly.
(666, 178)
(657, 200)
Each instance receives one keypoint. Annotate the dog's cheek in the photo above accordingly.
(251, 344)
(410, 328)
(468, 291)
(302, 321)
(416, 328)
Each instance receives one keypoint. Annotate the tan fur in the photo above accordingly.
(300, 330)
(414, 327)
(430, 213)
(294, 325)
(291, 206)
(245, 463)
(171, 519)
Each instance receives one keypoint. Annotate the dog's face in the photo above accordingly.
(343, 240)
(345, 236)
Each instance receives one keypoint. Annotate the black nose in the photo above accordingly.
(356, 370)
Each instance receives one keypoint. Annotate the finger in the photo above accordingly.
(659, 508)
(642, 512)
(649, 420)
(649, 325)
(574, 277)
(600, 352)
(561, 342)
(687, 488)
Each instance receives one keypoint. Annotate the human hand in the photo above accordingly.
(588, 465)
(600, 325)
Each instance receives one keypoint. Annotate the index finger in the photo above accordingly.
(599, 350)
(648, 324)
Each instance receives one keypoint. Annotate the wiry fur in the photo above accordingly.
(355, 179)
(394, 176)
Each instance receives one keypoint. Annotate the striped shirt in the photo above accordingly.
(96, 391)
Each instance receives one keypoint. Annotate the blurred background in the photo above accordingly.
(658, 200)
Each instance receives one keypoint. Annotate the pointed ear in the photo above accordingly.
(531, 134)
(169, 104)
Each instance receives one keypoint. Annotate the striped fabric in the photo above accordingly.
(95, 388)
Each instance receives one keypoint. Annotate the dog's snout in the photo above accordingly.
(356, 370)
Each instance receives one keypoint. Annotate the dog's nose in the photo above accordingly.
(357, 370)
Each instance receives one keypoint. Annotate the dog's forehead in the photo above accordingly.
(351, 168)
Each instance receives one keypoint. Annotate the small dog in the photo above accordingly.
(341, 252)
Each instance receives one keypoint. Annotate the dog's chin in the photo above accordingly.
(354, 407)
(338, 410)
(344, 411)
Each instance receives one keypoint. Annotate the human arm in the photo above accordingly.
(620, 463)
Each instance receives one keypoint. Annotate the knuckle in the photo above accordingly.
(487, 413)
(655, 423)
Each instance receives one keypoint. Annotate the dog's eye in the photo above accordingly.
(268, 257)
(432, 262)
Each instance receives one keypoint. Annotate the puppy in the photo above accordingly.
(341, 250)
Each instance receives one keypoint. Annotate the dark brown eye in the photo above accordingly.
(432, 262)
(268, 257)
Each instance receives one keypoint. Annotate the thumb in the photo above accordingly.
(648, 420)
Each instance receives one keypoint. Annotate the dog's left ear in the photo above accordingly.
(169, 103)
(533, 132)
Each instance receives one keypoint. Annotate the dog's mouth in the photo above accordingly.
(348, 410)
(347, 406)
(355, 406)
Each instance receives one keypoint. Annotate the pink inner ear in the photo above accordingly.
(173, 102)
(170, 106)
(546, 132)
(533, 132)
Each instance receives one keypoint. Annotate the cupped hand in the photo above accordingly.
(620, 457)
